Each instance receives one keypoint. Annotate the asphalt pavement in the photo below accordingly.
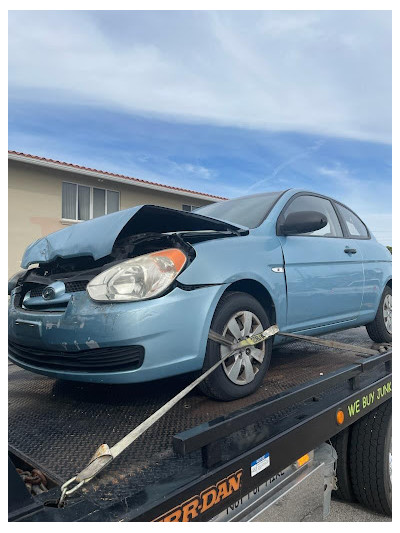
(352, 512)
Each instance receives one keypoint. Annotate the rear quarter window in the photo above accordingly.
(354, 225)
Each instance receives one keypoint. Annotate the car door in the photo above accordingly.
(324, 275)
(376, 259)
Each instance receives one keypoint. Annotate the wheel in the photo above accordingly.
(380, 330)
(371, 459)
(237, 316)
(344, 489)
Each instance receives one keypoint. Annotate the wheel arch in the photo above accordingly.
(259, 292)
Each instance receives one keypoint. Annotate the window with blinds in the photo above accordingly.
(80, 202)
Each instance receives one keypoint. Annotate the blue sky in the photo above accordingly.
(228, 103)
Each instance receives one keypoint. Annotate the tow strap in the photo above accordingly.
(104, 454)
(363, 352)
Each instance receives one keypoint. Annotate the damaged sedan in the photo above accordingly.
(131, 296)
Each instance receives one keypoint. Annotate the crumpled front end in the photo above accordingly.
(96, 238)
(50, 285)
(55, 328)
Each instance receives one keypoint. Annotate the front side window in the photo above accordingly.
(314, 203)
(80, 202)
(355, 227)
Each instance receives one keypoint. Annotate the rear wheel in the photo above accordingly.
(238, 315)
(380, 330)
(371, 459)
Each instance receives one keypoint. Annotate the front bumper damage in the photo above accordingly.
(172, 330)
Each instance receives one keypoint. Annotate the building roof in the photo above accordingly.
(62, 165)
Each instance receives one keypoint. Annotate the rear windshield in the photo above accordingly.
(249, 211)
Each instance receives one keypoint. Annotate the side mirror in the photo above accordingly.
(303, 222)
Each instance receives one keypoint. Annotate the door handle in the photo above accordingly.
(350, 251)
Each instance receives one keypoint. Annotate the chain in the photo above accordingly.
(35, 481)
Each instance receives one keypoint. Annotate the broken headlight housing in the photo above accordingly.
(13, 281)
(139, 278)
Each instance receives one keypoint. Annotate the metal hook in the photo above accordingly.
(66, 492)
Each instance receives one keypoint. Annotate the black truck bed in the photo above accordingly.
(57, 426)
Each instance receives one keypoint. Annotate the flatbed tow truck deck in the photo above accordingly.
(56, 426)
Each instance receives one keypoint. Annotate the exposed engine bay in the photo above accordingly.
(77, 254)
(76, 272)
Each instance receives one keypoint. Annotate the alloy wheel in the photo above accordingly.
(242, 367)
(387, 312)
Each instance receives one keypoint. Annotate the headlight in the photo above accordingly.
(139, 278)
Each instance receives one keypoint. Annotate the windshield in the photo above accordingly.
(249, 211)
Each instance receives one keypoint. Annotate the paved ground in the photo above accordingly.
(346, 512)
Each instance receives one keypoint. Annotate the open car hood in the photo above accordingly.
(96, 237)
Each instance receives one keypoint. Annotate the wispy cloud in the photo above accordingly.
(287, 163)
(197, 171)
(343, 178)
(319, 72)
(360, 193)
(221, 102)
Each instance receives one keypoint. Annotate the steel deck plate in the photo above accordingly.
(59, 425)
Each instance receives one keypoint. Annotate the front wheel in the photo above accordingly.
(238, 315)
(380, 330)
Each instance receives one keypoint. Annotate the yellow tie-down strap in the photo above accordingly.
(105, 455)
(258, 337)
(250, 341)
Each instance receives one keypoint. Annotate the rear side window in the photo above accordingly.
(314, 203)
(355, 227)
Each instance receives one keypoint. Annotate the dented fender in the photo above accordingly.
(249, 257)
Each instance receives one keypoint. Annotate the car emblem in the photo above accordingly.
(48, 293)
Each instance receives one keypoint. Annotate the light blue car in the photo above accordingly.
(131, 296)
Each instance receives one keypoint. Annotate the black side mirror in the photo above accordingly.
(303, 222)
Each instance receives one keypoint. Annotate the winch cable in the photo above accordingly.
(104, 454)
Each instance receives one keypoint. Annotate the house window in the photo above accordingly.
(186, 207)
(80, 202)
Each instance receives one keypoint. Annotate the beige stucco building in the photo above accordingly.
(45, 195)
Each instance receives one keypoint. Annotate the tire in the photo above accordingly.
(344, 489)
(218, 385)
(370, 466)
(377, 330)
